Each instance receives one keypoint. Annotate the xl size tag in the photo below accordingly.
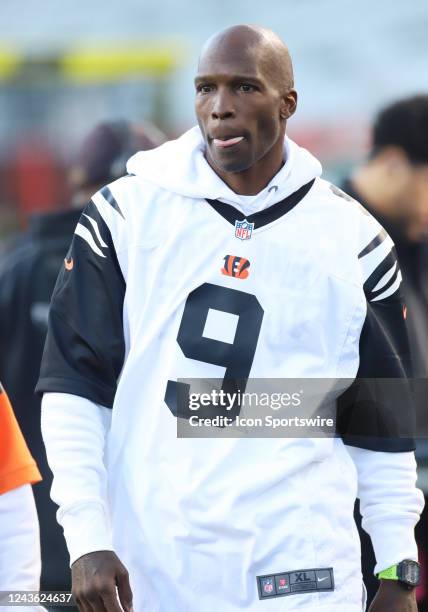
(295, 582)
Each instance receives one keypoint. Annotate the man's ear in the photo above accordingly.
(288, 104)
(395, 163)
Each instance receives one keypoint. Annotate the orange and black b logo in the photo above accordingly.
(238, 267)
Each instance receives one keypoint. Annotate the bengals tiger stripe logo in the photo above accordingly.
(237, 267)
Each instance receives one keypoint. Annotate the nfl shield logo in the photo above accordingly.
(243, 229)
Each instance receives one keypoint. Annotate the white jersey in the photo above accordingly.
(168, 279)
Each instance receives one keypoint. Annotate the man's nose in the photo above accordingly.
(223, 107)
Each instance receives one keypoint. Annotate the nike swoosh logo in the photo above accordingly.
(322, 579)
(68, 263)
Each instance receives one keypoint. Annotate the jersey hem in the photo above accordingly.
(383, 445)
(82, 388)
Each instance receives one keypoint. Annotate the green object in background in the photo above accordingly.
(9, 63)
(101, 63)
(114, 62)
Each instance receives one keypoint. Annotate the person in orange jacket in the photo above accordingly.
(20, 564)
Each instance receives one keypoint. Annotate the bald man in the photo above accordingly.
(221, 271)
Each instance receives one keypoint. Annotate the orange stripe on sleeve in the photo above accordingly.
(17, 466)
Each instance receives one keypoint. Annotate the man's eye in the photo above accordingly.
(246, 87)
(204, 89)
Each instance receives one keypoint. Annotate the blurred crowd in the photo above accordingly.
(28, 269)
(392, 183)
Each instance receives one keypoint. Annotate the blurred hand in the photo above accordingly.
(95, 577)
(391, 597)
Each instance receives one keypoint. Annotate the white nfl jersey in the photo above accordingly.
(160, 285)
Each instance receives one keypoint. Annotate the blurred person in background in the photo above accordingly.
(393, 185)
(19, 527)
(27, 277)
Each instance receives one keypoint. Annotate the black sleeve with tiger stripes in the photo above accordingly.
(377, 411)
(85, 348)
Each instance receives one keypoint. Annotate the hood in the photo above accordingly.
(180, 167)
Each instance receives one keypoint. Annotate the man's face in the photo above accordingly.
(240, 111)
(416, 203)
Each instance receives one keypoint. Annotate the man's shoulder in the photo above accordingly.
(352, 230)
(341, 197)
(128, 195)
(375, 248)
(134, 211)
(344, 205)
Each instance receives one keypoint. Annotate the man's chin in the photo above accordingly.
(224, 163)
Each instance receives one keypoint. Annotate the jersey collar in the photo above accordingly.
(263, 217)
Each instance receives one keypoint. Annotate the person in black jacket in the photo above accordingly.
(393, 185)
(28, 271)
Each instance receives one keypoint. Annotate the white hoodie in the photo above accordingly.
(180, 166)
(200, 522)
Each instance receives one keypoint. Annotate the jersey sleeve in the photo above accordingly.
(85, 348)
(377, 411)
(17, 466)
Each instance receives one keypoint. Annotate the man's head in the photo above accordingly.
(244, 96)
(104, 152)
(397, 171)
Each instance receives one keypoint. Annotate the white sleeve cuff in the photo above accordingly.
(393, 541)
(86, 529)
(390, 503)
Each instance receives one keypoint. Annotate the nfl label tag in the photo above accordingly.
(243, 229)
(293, 583)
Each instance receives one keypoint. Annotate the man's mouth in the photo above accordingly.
(223, 143)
